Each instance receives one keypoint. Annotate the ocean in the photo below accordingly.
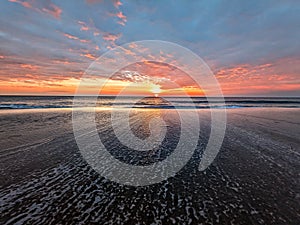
(48, 102)
(254, 179)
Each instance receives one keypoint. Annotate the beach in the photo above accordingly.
(253, 180)
(149, 112)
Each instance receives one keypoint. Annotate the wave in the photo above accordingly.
(192, 107)
(241, 101)
(158, 105)
(27, 106)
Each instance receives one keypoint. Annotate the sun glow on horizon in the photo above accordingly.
(155, 89)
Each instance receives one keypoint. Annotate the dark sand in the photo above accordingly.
(253, 180)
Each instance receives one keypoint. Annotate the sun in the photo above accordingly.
(155, 89)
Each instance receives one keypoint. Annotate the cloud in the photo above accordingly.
(273, 77)
(131, 76)
(122, 18)
(53, 10)
(23, 3)
(45, 6)
(90, 56)
(153, 72)
(111, 38)
(75, 38)
(29, 66)
(117, 3)
(136, 77)
(253, 44)
(83, 25)
(71, 36)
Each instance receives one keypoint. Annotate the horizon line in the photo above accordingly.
(166, 96)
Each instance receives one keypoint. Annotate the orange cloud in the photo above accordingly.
(90, 56)
(57, 74)
(121, 16)
(265, 78)
(146, 74)
(65, 62)
(28, 88)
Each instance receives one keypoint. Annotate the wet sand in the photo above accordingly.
(253, 180)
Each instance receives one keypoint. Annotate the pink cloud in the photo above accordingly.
(75, 38)
(29, 66)
(117, 3)
(23, 3)
(274, 76)
(70, 36)
(83, 25)
(41, 6)
(122, 18)
(111, 37)
(53, 10)
(84, 41)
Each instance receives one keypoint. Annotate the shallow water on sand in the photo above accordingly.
(253, 180)
(54, 102)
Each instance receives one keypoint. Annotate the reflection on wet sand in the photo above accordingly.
(254, 179)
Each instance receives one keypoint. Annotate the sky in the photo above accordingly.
(252, 47)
